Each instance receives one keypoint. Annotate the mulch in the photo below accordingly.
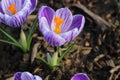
(96, 51)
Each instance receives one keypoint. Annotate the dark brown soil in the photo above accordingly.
(96, 51)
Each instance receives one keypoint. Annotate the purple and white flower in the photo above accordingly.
(15, 12)
(26, 76)
(59, 27)
(80, 76)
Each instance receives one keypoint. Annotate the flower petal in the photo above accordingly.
(27, 76)
(43, 25)
(70, 35)
(66, 15)
(4, 18)
(17, 19)
(37, 77)
(80, 76)
(17, 76)
(7, 3)
(29, 6)
(48, 57)
(46, 12)
(1, 10)
(33, 6)
(78, 22)
(54, 39)
(19, 4)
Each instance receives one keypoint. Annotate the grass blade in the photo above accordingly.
(38, 57)
(8, 42)
(10, 37)
(65, 52)
(23, 41)
(31, 31)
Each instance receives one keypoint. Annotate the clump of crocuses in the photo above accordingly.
(59, 27)
(29, 76)
(15, 12)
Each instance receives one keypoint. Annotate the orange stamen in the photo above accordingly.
(12, 9)
(58, 22)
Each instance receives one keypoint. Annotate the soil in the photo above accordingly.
(96, 51)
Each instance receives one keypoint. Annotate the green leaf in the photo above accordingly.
(31, 31)
(54, 59)
(43, 60)
(8, 42)
(10, 37)
(23, 40)
(65, 52)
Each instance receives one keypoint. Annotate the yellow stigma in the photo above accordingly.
(58, 22)
(12, 9)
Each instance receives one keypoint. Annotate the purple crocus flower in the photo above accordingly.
(15, 12)
(26, 76)
(59, 27)
(80, 76)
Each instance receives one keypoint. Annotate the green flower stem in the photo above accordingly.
(58, 49)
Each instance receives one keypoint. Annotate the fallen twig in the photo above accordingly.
(113, 70)
(100, 21)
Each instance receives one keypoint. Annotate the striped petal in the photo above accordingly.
(78, 22)
(50, 36)
(4, 18)
(27, 76)
(7, 3)
(15, 20)
(33, 5)
(70, 35)
(66, 15)
(46, 12)
(1, 10)
(54, 39)
(80, 76)
(17, 76)
(75, 28)
(43, 25)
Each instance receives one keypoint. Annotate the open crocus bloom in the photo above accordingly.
(80, 76)
(14, 12)
(26, 76)
(60, 26)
